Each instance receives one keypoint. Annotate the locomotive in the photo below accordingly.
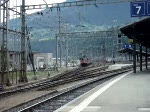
(85, 61)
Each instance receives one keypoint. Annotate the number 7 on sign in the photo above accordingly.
(139, 8)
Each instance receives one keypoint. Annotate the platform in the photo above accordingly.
(128, 92)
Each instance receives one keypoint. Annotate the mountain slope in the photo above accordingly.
(84, 18)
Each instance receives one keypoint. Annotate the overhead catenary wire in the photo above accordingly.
(4, 3)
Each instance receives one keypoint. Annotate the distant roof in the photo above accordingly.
(140, 30)
(130, 51)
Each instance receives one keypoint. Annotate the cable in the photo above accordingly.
(46, 3)
(4, 3)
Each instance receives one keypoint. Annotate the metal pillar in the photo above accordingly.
(137, 55)
(76, 51)
(13, 56)
(4, 48)
(0, 44)
(59, 31)
(134, 56)
(23, 77)
(125, 56)
(113, 48)
(134, 51)
(146, 57)
(66, 52)
(60, 52)
(140, 57)
(56, 52)
(129, 57)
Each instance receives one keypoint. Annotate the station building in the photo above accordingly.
(42, 59)
(139, 32)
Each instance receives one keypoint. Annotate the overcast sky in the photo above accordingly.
(41, 1)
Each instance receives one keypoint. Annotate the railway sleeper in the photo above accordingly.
(77, 94)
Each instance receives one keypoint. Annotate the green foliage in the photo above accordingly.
(44, 27)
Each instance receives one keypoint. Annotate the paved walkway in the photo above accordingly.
(126, 93)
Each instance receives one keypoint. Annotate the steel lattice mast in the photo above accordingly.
(23, 77)
(5, 53)
(4, 28)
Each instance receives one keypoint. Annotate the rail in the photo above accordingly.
(98, 76)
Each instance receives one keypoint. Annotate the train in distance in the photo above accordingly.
(85, 61)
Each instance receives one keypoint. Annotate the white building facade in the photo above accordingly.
(43, 59)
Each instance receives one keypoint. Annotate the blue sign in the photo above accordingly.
(148, 8)
(129, 46)
(138, 9)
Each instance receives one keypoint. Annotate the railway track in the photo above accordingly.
(59, 98)
(28, 87)
(71, 78)
(57, 80)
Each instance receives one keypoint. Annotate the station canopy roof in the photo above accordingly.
(130, 51)
(139, 30)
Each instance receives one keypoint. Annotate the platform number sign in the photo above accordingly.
(138, 9)
(148, 8)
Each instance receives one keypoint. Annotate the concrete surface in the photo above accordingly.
(129, 94)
